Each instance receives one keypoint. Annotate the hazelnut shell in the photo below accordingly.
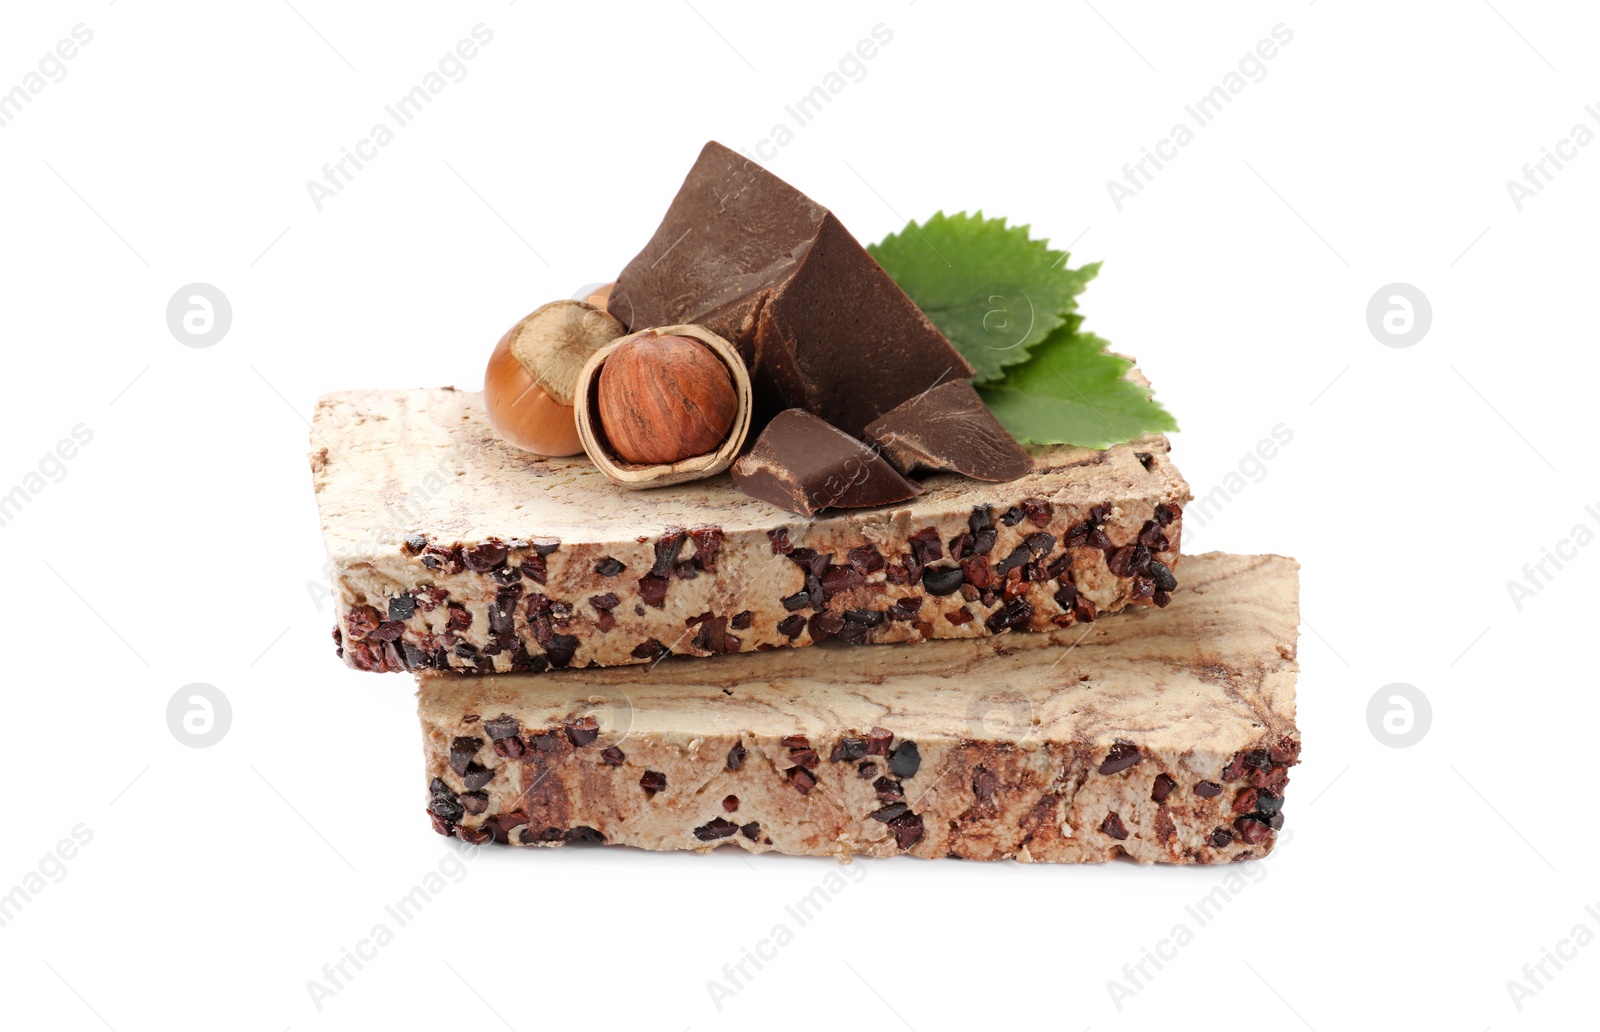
(592, 433)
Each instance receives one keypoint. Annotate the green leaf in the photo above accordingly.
(991, 289)
(1071, 391)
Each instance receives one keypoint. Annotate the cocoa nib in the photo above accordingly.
(462, 750)
(650, 648)
(653, 589)
(730, 803)
(1015, 612)
(581, 732)
(716, 828)
(1113, 826)
(1122, 756)
(363, 620)
(866, 558)
(942, 581)
(1163, 787)
(878, 740)
(611, 756)
(907, 829)
(925, 546)
(1038, 511)
(1221, 837)
(905, 761)
(707, 546)
(1207, 789)
(848, 748)
(1162, 576)
(652, 781)
(476, 776)
(609, 567)
(1251, 830)
(779, 539)
(888, 813)
(482, 558)
(801, 779)
(791, 627)
(503, 726)
(888, 788)
(736, 756)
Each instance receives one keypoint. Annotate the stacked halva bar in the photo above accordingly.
(688, 667)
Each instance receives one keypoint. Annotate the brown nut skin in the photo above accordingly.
(665, 398)
(528, 385)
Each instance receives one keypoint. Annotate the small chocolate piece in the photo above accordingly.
(1114, 827)
(1122, 756)
(905, 761)
(1207, 789)
(652, 781)
(716, 828)
(802, 464)
(949, 428)
(1163, 787)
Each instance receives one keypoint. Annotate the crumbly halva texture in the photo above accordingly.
(449, 550)
(1163, 735)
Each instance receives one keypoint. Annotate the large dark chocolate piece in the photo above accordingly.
(949, 428)
(822, 326)
(802, 464)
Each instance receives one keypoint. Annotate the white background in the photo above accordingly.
(182, 544)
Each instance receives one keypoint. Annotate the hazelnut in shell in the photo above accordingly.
(530, 384)
(663, 406)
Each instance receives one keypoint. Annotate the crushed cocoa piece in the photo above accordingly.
(653, 590)
(363, 620)
(751, 830)
(925, 546)
(959, 616)
(801, 779)
(503, 726)
(888, 813)
(907, 829)
(476, 776)
(1163, 787)
(1251, 830)
(848, 749)
(609, 567)
(1121, 756)
(472, 836)
(888, 788)
(650, 648)
(906, 760)
(716, 828)
(878, 740)
(736, 756)
(779, 540)
(866, 769)
(583, 835)
(1245, 801)
(1113, 826)
(942, 581)
(824, 625)
(742, 620)
(1015, 613)
(483, 557)
(462, 750)
(535, 568)
(707, 546)
(1207, 789)
(611, 756)
(790, 627)
(652, 781)
(1221, 837)
(730, 803)
(581, 732)
(474, 802)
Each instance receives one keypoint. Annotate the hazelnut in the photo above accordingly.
(665, 398)
(664, 405)
(529, 385)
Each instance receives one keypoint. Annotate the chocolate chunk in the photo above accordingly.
(907, 829)
(707, 546)
(1114, 827)
(878, 740)
(446, 807)
(1162, 576)
(363, 620)
(716, 828)
(730, 803)
(1221, 837)
(949, 428)
(611, 756)
(581, 732)
(736, 756)
(791, 627)
(535, 568)
(866, 769)
(824, 626)
(474, 802)
(462, 750)
(649, 649)
(905, 761)
(609, 567)
(1207, 789)
(1121, 756)
(888, 788)
(802, 464)
(1015, 613)
(653, 590)
(942, 581)
(476, 776)
(751, 830)
(822, 326)
(1245, 801)
(583, 835)
(652, 781)
(866, 558)
(1163, 787)
(402, 607)
(807, 758)
(742, 620)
